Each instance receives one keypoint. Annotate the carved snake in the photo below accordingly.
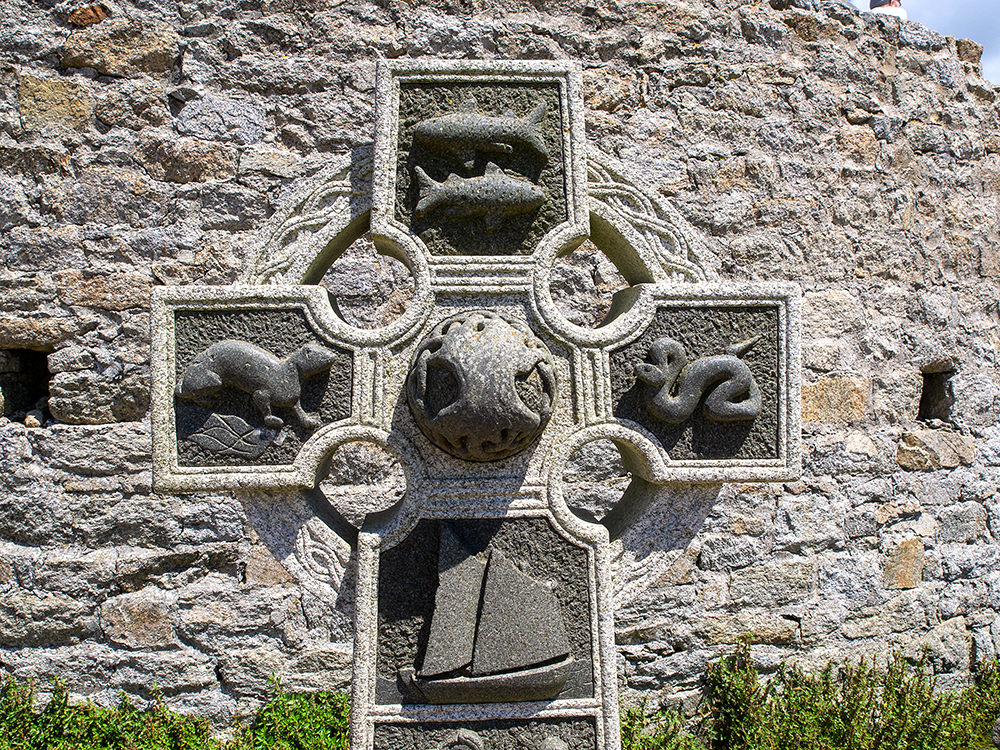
(724, 376)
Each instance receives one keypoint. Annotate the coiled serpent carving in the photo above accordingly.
(733, 394)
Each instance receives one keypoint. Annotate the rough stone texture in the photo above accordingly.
(125, 48)
(217, 118)
(765, 124)
(927, 450)
(53, 104)
(904, 566)
(835, 399)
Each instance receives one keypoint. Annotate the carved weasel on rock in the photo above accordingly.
(271, 381)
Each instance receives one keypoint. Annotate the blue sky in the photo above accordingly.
(970, 19)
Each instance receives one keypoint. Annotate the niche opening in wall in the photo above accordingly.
(937, 397)
(24, 383)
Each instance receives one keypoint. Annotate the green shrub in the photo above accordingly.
(61, 726)
(315, 721)
(855, 707)
(664, 730)
(310, 721)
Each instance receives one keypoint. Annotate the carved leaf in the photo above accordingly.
(228, 435)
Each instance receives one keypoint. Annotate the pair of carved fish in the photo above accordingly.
(494, 195)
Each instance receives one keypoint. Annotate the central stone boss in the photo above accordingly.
(481, 387)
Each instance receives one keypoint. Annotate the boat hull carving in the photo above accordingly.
(536, 684)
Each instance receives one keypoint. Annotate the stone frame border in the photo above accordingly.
(391, 73)
(309, 465)
(375, 538)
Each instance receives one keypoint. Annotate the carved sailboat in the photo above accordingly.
(496, 634)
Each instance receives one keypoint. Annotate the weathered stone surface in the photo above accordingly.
(835, 399)
(761, 627)
(830, 314)
(963, 522)
(118, 394)
(18, 331)
(215, 614)
(773, 584)
(29, 619)
(123, 48)
(896, 615)
(722, 553)
(187, 160)
(106, 196)
(138, 621)
(946, 646)
(119, 291)
(53, 104)
(14, 206)
(134, 107)
(904, 566)
(927, 450)
(89, 14)
(95, 451)
(222, 119)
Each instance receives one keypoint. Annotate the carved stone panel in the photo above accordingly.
(665, 381)
(491, 154)
(494, 734)
(478, 159)
(516, 576)
(253, 386)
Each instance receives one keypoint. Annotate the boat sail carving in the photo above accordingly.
(496, 634)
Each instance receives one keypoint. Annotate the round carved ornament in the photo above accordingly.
(481, 387)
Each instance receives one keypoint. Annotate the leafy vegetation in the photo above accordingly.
(316, 721)
(854, 707)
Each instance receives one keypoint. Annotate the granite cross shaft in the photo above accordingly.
(484, 616)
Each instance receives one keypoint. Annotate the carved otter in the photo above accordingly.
(271, 381)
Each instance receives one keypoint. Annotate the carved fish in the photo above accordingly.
(465, 132)
(725, 377)
(495, 194)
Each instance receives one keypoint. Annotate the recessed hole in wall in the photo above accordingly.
(24, 383)
(583, 284)
(363, 478)
(369, 290)
(594, 480)
(937, 397)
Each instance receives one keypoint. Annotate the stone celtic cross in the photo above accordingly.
(484, 615)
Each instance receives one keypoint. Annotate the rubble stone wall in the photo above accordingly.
(148, 142)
